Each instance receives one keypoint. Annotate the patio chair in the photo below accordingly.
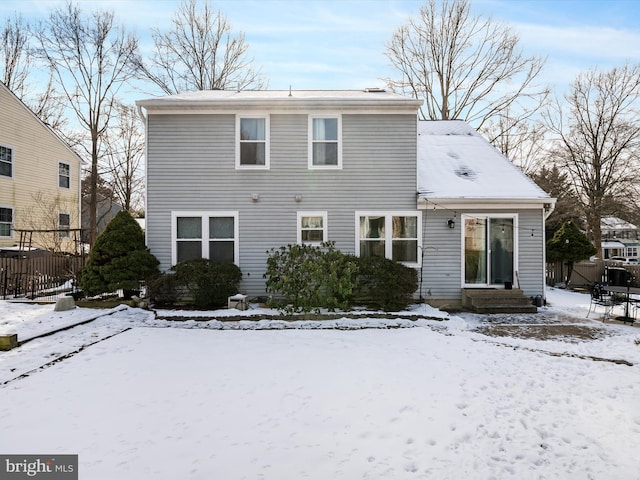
(600, 297)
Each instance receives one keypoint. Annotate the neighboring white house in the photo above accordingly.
(619, 238)
(39, 181)
(231, 175)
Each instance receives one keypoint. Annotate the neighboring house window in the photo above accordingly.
(390, 235)
(312, 228)
(6, 162)
(64, 223)
(6, 221)
(632, 252)
(212, 235)
(64, 175)
(253, 142)
(325, 150)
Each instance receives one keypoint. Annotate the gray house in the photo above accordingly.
(231, 175)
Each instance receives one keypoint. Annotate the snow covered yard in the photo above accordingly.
(439, 400)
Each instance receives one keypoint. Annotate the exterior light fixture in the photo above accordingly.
(451, 223)
(255, 197)
(298, 198)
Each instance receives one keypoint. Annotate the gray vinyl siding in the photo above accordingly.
(191, 166)
(443, 253)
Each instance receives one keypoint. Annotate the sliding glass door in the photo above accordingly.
(489, 250)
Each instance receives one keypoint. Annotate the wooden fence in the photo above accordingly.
(586, 274)
(45, 275)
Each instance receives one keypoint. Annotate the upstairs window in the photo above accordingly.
(325, 135)
(312, 228)
(253, 142)
(64, 175)
(6, 221)
(6, 162)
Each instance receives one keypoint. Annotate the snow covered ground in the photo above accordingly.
(428, 396)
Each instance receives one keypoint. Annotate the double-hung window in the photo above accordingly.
(6, 221)
(252, 145)
(64, 175)
(325, 138)
(312, 228)
(64, 224)
(396, 236)
(6, 162)
(212, 235)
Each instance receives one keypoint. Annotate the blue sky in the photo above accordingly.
(339, 44)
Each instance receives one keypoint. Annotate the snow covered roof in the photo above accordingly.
(455, 163)
(615, 223)
(280, 98)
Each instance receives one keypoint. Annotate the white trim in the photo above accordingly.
(310, 141)
(204, 218)
(516, 242)
(424, 203)
(325, 231)
(68, 234)
(13, 221)
(13, 163)
(267, 141)
(58, 174)
(388, 217)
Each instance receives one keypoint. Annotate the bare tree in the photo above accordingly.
(523, 142)
(125, 151)
(598, 141)
(14, 49)
(463, 66)
(91, 59)
(200, 52)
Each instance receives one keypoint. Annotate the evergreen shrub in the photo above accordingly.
(209, 283)
(384, 284)
(119, 258)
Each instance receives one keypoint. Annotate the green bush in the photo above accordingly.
(209, 283)
(384, 284)
(163, 290)
(119, 258)
(310, 277)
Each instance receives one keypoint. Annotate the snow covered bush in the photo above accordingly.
(208, 283)
(119, 258)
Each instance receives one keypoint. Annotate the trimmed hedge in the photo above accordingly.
(308, 278)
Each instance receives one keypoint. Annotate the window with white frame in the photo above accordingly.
(64, 224)
(252, 142)
(396, 236)
(325, 149)
(312, 228)
(6, 221)
(212, 235)
(64, 175)
(6, 162)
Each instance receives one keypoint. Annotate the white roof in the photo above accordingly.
(455, 162)
(613, 245)
(615, 223)
(280, 98)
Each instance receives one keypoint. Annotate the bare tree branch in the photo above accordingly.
(464, 67)
(598, 140)
(201, 53)
(14, 49)
(91, 59)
